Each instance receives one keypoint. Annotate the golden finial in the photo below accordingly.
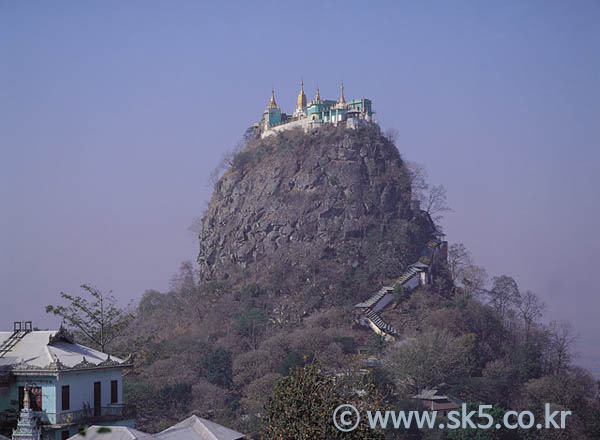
(342, 100)
(26, 403)
(301, 96)
(272, 103)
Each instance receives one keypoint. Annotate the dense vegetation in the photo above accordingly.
(235, 347)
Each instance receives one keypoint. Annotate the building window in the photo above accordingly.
(114, 391)
(64, 435)
(66, 398)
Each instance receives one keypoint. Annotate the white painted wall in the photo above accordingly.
(82, 387)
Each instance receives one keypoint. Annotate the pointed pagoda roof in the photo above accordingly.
(342, 99)
(301, 96)
(272, 103)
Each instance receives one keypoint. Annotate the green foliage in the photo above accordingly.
(97, 320)
(491, 433)
(158, 408)
(216, 367)
(100, 430)
(528, 358)
(427, 361)
(251, 291)
(348, 344)
(302, 407)
(400, 293)
(293, 360)
(251, 321)
(376, 344)
(8, 421)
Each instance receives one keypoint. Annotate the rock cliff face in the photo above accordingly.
(329, 205)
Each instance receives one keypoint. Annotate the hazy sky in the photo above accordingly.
(113, 114)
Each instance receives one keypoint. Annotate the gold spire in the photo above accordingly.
(318, 97)
(301, 96)
(26, 403)
(272, 103)
(342, 100)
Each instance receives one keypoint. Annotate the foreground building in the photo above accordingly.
(192, 428)
(65, 386)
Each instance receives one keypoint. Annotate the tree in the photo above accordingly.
(530, 308)
(98, 321)
(392, 135)
(436, 202)
(504, 294)
(400, 293)
(574, 391)
(492, 433)
(560, 348)
(251, 323)
(432, 197)
(426, 361)
(292, 360)
(458, 258)
(216, 367)
(463, 271)
(418, 180)
(302, 407)
(227, 159)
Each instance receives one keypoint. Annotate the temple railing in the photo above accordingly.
(88, 415)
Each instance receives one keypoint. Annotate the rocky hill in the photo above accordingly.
(301, 227)
(335, 203)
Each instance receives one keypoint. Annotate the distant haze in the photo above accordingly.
(113, 114)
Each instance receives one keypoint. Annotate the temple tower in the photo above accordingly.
(272, 114)
(27, 427)
(300, 109)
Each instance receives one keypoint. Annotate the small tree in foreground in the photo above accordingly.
(302, 407)
(97, 320)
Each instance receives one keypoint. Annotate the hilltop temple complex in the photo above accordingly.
(309, 115)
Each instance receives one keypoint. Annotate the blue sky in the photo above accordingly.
(113, 114)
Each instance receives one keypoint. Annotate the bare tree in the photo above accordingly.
(463, 271)
(531, 308)
(432, 197)
(98, 320)
(560, 350)
(436, 202)
(458, 258)
(504, 295)
(392, 135)
(418, 180)
(426, 361)
(474, 279)
(226, 161)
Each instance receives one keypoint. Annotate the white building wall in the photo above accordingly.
(48, 385)
(412, 282)
(81, 387)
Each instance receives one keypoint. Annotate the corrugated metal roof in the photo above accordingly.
(95, 432)
(35, 349)
(196, 428)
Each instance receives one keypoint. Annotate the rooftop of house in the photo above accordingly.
(196, 428)
(192, 428)
(95, 432)
(52, 349)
